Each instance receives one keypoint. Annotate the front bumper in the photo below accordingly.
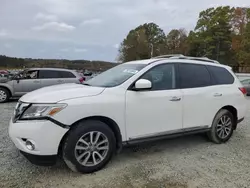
(41, 160)
(44, 134)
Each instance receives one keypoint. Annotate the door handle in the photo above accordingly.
(217, 94)
(175, 99)
(60, 81)
(36, 81)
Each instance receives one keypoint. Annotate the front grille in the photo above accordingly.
(19, 109)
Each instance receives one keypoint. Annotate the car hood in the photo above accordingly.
(4, 80)
(53, 94)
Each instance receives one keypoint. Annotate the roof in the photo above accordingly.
(178, 58)
(58, 69)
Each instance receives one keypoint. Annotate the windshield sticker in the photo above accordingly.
(131, 71)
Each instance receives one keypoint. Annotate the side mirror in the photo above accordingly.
(142, 84)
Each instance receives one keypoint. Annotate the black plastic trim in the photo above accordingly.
(49, 119)
(41, 160)
(166, 136)
(240, 120)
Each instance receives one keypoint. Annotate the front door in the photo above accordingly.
(27, 82)
(156, 111)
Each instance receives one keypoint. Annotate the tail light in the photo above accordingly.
(243, 90)
(82, 79)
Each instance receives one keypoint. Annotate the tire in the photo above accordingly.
(219, 132)
(85, 151)
(4, 95)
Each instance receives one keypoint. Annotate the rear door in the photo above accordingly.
(227, 88)
(50, 77)
(200, 96)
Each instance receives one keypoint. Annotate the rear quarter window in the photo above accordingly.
(220, 75)
(66, 74)
(49, 74)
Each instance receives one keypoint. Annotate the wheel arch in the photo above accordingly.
(108, 121)
(8, 89)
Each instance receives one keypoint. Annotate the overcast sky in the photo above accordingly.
(88, 29)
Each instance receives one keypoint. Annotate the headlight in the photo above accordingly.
(36, 111)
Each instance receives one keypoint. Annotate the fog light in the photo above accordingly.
(29, 145)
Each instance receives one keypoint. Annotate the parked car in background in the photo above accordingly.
(88, 75)
(35, 78)
(246, 84)
(3, 78)
(5, 72)
(245, 80)
(134, 102)
(243, 76)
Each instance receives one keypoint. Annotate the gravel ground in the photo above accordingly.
(185, 162)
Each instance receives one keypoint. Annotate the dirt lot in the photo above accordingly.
(185, 162)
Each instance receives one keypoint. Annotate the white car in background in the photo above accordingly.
(134, 102)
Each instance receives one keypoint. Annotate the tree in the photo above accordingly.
(143, 42)
(243, 55)
(177, 41)
(212, 36)
(240, 38)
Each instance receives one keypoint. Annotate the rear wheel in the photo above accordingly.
(89, 147)
(222, 127)
(4, 95)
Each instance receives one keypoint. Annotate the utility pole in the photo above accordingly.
(152, 49)
(218, 49)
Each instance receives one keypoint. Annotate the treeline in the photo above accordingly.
(11, 62)
(221, 33)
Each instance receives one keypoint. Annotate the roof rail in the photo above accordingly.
(180, 56)
(168, 56)
(205, 59)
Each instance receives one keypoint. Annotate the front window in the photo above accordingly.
(162, 77)
(31, 74)
(115, 76)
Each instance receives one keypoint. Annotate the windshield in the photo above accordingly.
(115, 76)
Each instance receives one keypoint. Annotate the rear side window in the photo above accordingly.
(221, 75)
(47, 74)
(192, 76)
(66, 74)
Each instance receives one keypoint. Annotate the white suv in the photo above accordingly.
(131, 103)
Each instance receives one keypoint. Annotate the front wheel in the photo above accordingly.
(222, 127)
(4, 95)
(89, 146)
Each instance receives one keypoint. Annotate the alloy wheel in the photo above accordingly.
(3, 95)
(92, 148)
(224, 127)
